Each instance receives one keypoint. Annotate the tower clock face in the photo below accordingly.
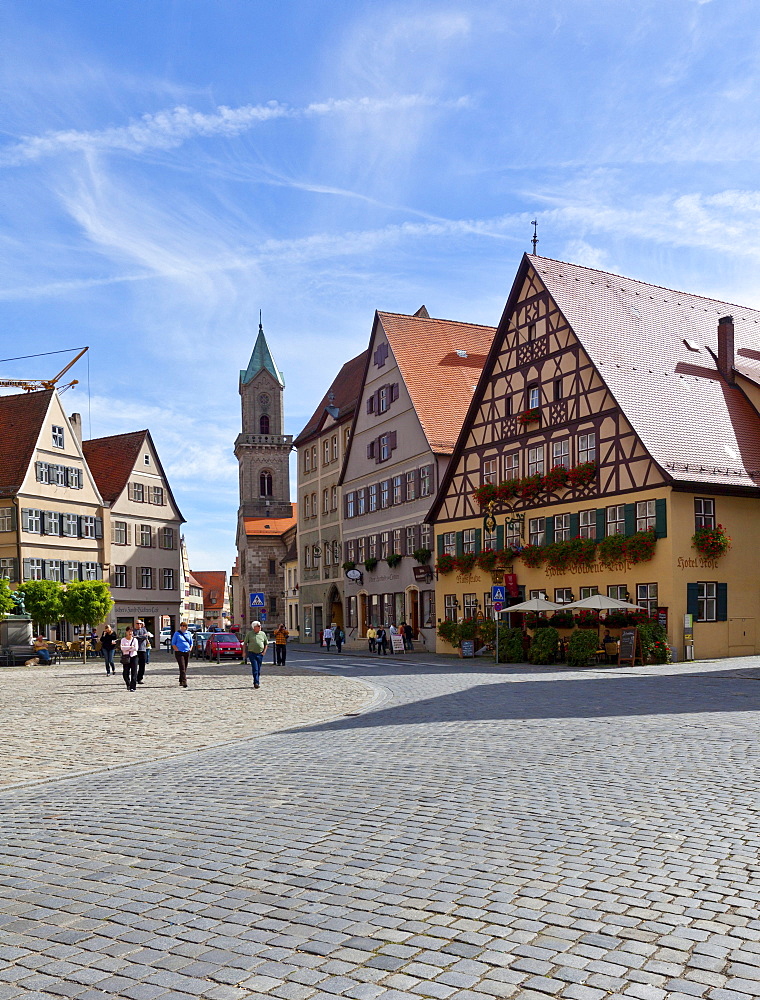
(264, 399)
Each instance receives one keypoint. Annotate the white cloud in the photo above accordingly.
(171, 128)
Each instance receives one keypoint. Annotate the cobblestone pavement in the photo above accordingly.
(72, 717)
(477, 833)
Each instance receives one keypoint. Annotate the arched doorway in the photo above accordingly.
(335, 606)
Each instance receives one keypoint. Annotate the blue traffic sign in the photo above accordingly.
(262, 616)
(498, 593)
(257, 601)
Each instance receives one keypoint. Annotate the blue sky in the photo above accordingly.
(171, 167)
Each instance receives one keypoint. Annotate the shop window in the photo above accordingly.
(646, 596)
(563, 595)
(470, 605)
(450, 605)
(588, 592)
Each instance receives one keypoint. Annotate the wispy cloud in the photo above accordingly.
(169, 129)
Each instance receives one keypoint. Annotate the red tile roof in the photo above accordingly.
(440, 381)
(345, 389)
(268, 525)
(695, 424)
(21, 419)
(111, 461)
(213, 581)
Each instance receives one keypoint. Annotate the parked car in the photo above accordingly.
(199, 644)
(166, 637)
(221, 644)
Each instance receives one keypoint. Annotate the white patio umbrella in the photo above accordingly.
(598, 602)
(534, 604)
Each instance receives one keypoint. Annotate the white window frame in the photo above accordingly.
(536, 460)
(646, 596)
(561, 527)
(449, 543)
(561, 453)
(704, 512)
(646, 515)
(587, 523)
(616, 517)
(512, 466)
(450, 607)
(470, 605)
(410, 487)
(468, 541)
(586, 447)
(58, 436)
(537, 530)
(707, 601)
(490, 471)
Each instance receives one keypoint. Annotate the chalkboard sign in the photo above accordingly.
(468, 647)
(629, 650)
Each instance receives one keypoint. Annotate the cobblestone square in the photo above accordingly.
(471, 832)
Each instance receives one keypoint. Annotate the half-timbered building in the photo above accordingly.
(610, 409)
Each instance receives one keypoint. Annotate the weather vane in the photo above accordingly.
(534, 241)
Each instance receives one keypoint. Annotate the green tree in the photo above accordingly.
(86, 602)
(6, 601)
(42, 600)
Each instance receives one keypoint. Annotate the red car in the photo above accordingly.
(220, 644)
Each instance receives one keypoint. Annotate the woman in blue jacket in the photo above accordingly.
(182, 643)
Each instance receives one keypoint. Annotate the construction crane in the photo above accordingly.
(34, 384)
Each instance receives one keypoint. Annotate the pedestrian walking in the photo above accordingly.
(340, 637)
(327, 637)
(382, 641)
(143, 636)
(129, 666)
(408, 635)
(256, 643)
(372, 638)
(108, 641)
(280, 645)
(182, 643)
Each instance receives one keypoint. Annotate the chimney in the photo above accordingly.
(76, 425)
(726, 347)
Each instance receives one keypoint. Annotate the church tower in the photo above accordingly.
(263, 449)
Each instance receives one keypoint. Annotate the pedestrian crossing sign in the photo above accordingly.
(498, 594)
(257, 601)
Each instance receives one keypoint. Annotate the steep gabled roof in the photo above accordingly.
(111, 461)
(21, 419)
(212, 581)
(440, 361)
(695, 424)
(261, 358)
(342, 396)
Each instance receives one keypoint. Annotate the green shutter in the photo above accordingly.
(721, 605)
(601, 523)
(548, 530)
(692, 599)
(499, 536)
(460, 543)
(575, 525)
(478, 539)
(661, 517)
(440, 544)
(630, 518)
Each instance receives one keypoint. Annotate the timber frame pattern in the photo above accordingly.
(535, 347)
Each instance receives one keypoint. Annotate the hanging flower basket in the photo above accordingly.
(369, 564)
(394, 559)
(555, 479)
(485, 494)
(711, 542)
(529, 487)
(581, 475)
(640, 546)
(488, 560)
(533, 555)
(466, 563)
(422, 556)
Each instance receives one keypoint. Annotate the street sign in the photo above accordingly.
(498, 593)
(497, 606)
(257, 601)
(262, 616)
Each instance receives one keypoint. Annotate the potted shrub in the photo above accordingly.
(711, 542)
(545, 646)
(562, 619)
(394, 559)
(582, 647)
(449, 632)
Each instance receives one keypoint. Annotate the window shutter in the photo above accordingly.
(80, 479)
(439, 542)
(371, 449)
(499, 536)
(47, 569)
(98, 527)
(79, 526)
(138, 579)
(548, 530)
(460, 543)
(661, 517)
(601, 523)
(129, 533)
(27, 569)
(371, 404)
(721, 605)
(417, 536)
(113, 533)
(129, 576)
(692, 599)
(377, 452)
(14, 571)
(575, 525)
(394, 391)
(417, 483)
(14, 518)
(630, 518)
(42, 473)
(478, 539)
(130, 491)
(25, 520)
(393, 440)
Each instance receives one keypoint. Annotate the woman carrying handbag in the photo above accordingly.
(128, 646)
